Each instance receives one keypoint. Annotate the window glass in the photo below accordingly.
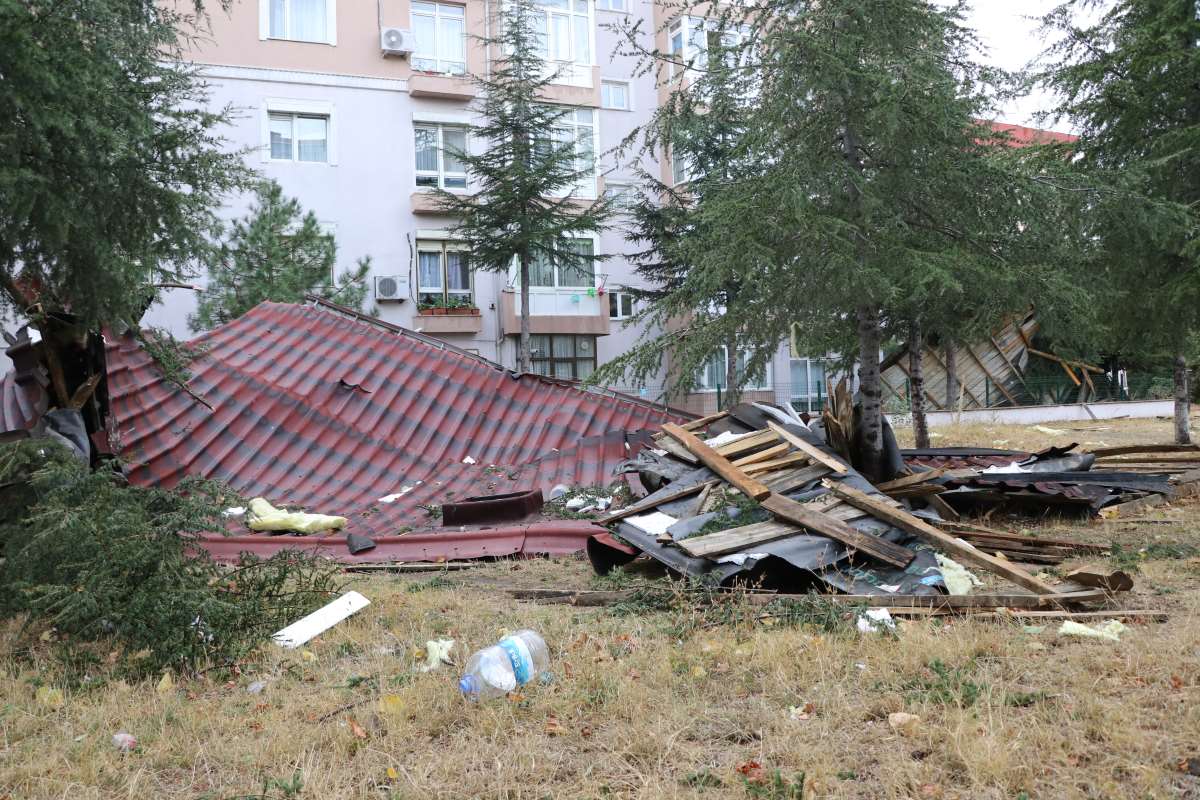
(444, 274)
(440, 29)
(454, 140)
(425, 29)
(311, 138)
(614, 95)
(458, 276)
(436, 164)
(541, 271)
(583, 38)
(278, 19)
(563, 347)
(578, 272)
(564, 29)
(304, 20)
(281, 136)
(563, 356)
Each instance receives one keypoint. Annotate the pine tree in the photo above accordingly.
(523, 208)
(277, 252)
(1130, 79)
(862, 187)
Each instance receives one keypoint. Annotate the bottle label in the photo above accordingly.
(520, 658)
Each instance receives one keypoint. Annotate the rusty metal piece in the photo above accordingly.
(492, 508)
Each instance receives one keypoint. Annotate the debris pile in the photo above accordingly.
(755, 496)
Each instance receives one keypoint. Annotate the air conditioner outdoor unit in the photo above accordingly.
(396, 42)
(391, 288)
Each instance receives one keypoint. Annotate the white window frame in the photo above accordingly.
(437, 26)
(441, 173)
(607, 5)
(622, 200)
(597, 278)
(618, 296)
(573, 71)
(697, 29)
(569, 123)
(550, 359)
(305, 108)
(264, 23)
(812, 397)
(626, 85)
(702, 387)
(443, 247)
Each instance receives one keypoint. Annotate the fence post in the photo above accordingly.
(719, 406)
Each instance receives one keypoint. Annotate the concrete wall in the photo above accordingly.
(1033, 415)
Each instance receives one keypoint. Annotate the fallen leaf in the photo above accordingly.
(554, 727)
(585, 731)
(390, 704)
(749, 768)
(261, 707)
(254, 725)
(568, 670)
(1176, 682)
(392, 774)
(308, 655)
(516, 697)
(358, 730)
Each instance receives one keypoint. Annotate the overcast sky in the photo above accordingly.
(1012, 41)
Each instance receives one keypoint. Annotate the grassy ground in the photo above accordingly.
(649, 702)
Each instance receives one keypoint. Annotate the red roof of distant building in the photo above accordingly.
(1021, 135)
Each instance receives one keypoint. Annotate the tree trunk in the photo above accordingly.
(952, 389)
(733, 392)
(870, 429)
(916, 384)
(1183, 405)
(523, 355)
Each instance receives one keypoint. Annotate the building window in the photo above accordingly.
(579, 127)
(612, 5)
(691, 39)
(622, 195)
(615, 95)
(443, 275)
(299, 137)
(566, 273)
(438, 164)
(301, 20)
(621, 305)
(713, 375)
(441, 34)
(563, 356)
(808, 384)
(564, 31)
(680, 173)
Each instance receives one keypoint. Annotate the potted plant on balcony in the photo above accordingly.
(454, 306)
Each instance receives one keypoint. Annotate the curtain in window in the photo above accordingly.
(457, 273)
(309, 20)
(426, 148)
(278, 20)
(541, 271)
(451, 36)
(799, 378)
(583, 40)
(580, 271)
(429, 268)
(311, 139)
(560, 37)
(281, 136)
(454, 140)
(425, 29)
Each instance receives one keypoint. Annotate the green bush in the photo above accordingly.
(100, 560)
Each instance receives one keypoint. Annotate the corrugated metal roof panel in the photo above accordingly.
(312, 408)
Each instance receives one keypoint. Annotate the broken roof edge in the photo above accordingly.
(390, 327)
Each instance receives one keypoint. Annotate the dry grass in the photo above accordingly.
(644, 704)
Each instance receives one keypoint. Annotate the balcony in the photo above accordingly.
(556, 311)
(449, 323)
(445, 87)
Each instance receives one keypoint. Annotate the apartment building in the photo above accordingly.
(351, 105)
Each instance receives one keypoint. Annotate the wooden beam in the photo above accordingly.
(815, 453)
(942, 507)
(735, 540)
(745, 444)
(1011, 364)
(717, 463)
(704, 422)
(948, 544)
(928, 394)
(911, 480)
(1130, 449)
(799, 514)
(654, 501)
(762, 455)
(779, 463)
(998, 384)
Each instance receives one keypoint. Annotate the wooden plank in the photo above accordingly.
(998, 384)
(957, 379)
(815, 521)
(735, 540)
(928, 394)
(779, 463)
(815, 453)
(704, 422)
(943, 541)
(1130, 449)
(911, 480)
(789, 479)
(745, 444)
(1011, 364)
(717, 463)
(762, 455)
(967, 532)
(654, 501)
(942, 508)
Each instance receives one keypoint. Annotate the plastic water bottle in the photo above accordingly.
(497, 670)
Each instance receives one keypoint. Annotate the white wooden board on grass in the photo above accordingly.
(655, 524)
(320, 620)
